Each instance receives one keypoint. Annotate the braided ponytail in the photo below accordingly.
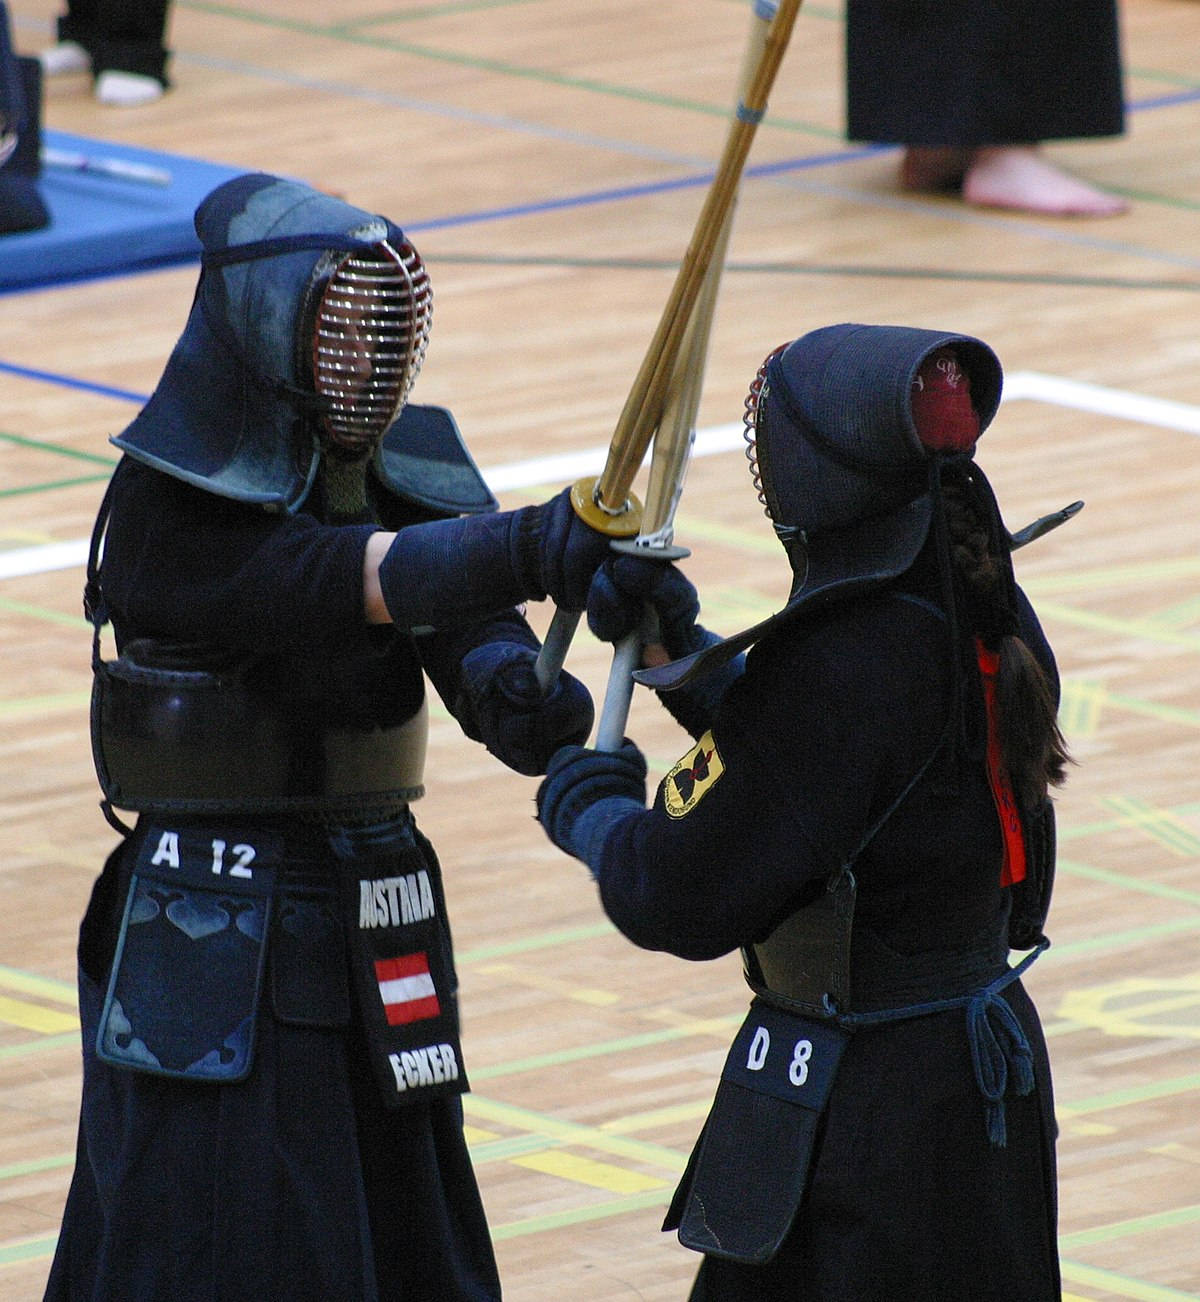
(1035, 752)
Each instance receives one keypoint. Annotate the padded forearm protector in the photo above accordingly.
(454, 571)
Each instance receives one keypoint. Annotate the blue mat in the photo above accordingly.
(103, 226)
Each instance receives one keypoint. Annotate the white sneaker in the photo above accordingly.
(66, 56)
(127, 89)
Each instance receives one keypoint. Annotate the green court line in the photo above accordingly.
(1155, 710)
(1176, 79)
(581, 1215)
(1158, 824)
(844, 270)
(1084, 701)
(596, 1049)
(501, 1150)
(1110, 577)
(542, 940)
(13, 1254)
(1101, 826)
(1168, 1220)
(762, 542)
(501, 67)
(1160, 1089)
(53, 485)
(43, 613)
(56, 449)
(1157, 197)
(572, 1132)
(1143, 629)
(39, 705)
(42, 1044)
(1109, 1281)
(1180, 615)
(27, 983)
(1128, 881)
(452, 9)
(1134, 936)
(15, 1170)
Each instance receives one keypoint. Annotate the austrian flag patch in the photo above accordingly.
(407, 989)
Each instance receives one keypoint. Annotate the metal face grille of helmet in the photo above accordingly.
(371, 332)
(756, 401)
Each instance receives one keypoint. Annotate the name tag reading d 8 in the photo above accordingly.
(787, 1057)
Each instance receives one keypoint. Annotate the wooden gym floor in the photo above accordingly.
(550, 160)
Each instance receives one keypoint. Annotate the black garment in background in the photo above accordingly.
(22, 207)
(971, 72)
(119, 35)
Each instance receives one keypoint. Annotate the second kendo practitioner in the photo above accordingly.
(864, 815)
(272, 1061)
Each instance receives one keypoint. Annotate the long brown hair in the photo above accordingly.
(1035, 751)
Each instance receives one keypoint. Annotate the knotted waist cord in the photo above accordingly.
(998, 1041)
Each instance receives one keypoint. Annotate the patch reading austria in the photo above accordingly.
(693, 777)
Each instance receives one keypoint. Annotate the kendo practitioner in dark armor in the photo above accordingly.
(122, 43)
(272, 1066)
(864, 815)
(22, 207)
(972, 89)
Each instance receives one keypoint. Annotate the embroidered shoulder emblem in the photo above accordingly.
(693, 777)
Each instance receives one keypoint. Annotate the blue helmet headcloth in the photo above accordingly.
(236, 411)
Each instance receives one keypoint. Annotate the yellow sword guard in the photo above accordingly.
(623, 523)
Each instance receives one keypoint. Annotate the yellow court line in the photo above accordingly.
(1180, 615)
(632, 1125)
(1105, 580)
(571, 1132)
(1142, 629)
(36, 706)
(1081, 707)
(1109, 1281)
(1159, 824)
(33, 1017)
(586, 1170)
(531, 980)
(1123, 1008)
(26, 983)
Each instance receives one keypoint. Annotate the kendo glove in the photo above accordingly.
(501, 704)
(561, 553)
(444, 572)
(586, 792)
(625, 585)
(622, 590)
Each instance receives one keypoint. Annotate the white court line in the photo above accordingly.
(569, 466)
(1105, 402)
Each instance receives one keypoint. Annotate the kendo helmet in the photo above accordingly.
(309, 325)
(847, 429)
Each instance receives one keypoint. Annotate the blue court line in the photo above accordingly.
(69, 382)
(621, 194)
(1164, 101)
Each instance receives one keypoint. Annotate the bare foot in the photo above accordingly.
(933, 167)
(1012, 176)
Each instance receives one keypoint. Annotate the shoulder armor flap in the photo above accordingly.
(423, 459)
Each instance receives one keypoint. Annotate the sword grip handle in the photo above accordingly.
(550, 658)
(610, 731)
